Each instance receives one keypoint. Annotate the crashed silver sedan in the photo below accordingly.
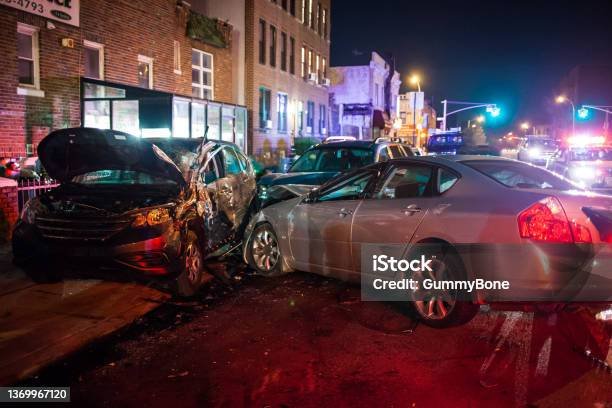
(477, 217)
(145, 207)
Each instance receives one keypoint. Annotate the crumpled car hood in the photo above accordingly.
(66, 153)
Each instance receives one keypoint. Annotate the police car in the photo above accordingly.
(586, 161)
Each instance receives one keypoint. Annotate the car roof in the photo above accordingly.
(355, 144)
(453, 158)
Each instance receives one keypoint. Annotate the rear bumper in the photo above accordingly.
(536, 272)
(157, 255)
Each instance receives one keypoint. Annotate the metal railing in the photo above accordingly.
(29, 188)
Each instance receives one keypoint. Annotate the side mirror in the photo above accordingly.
(311, 197)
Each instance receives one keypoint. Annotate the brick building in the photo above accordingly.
(151, 67)
(286, 69)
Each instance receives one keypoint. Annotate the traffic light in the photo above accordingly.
(583, 114)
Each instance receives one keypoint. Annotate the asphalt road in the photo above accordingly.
(302, 340)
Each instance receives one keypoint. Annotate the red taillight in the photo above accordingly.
(581, 233)
(545, 221)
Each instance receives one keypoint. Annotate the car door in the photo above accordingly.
(395, 208)
(320, 227)
(211, 202)
(231, 203)
(246, 183)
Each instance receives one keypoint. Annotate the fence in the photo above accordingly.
(29, 188)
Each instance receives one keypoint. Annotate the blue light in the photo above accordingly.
(583, 113)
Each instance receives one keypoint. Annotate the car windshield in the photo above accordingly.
(521, 175)
(120, 177)
(333, 159)
(592, 154)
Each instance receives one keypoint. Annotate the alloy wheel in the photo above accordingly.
(434, 304)
(193, 263)
(265, 250)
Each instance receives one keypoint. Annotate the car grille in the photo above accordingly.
(80, 229)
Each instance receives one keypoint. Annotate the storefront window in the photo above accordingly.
(240, 127)
(97, 114)
(180, 118)
(227, 131)
(198, 120)
(125, 117)
(102, 91)
(214, 121)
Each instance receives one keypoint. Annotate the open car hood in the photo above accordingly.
(66, 153)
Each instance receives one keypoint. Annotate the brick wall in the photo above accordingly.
(9, 211)
(269, 144)
(126, 29)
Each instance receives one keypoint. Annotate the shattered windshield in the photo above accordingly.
(121, 177)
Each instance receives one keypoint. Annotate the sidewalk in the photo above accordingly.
(43, 323)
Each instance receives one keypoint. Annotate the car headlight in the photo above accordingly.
(535, 152)
(154, 217)
(28, 215)
(584, 173)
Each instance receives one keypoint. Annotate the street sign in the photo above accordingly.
(65, 11)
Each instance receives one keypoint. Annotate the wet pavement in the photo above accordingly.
(302, 340)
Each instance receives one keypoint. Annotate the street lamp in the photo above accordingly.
(416, 80)
(562, 99)
(480, 119)
(525, 125)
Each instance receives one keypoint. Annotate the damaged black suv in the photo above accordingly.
(156, 207)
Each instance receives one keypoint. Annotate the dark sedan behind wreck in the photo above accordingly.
(156, 207)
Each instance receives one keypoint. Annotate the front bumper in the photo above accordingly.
(152, 252)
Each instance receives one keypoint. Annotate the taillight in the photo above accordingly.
(546, 221)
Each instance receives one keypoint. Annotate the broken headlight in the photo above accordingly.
(154, 217)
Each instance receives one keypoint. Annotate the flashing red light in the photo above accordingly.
(546, 221)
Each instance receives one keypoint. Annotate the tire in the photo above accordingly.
(263, 251)
(190, 279)
(443, 309)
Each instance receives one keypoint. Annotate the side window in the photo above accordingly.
(395, 151)
(350, 189)
(230, 162)
(209, 172)
(244, 163)
(446, 180)
(408, 181)
(383, 155)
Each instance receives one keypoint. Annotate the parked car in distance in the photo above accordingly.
(489, 217)
(484, 150)
(326, 160)
(155, 207)
(589, 166)
(537, 150)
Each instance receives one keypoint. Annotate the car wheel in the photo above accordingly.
(443, 308)
(264, 251)
(191, 276)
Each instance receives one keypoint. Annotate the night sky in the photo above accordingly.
(508, 52)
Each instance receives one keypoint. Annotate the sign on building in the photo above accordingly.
(66, 11)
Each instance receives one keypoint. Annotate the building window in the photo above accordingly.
(311, 22)
(180, 118)
(284, 4)
(318, 67)
(281, 109)
(309, 62)
(324, 67)
(283, 55)
(272, 46)
(303, 13)
(292, 7)
(264, 108)
(300, 117)
(310, 106)
(202, 74)
(145, 72)
(93, 57)
(27, 55)
(177, 57)
(325, 23)
(303, 65)
(262, 42)
(291, 55)
(318, 23)
(322, 119)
